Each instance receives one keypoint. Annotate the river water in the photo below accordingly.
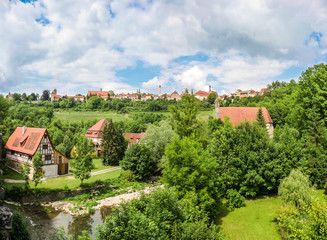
(43, 223)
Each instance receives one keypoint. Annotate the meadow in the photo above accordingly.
(77, 116)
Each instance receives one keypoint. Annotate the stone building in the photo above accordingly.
(25, 142)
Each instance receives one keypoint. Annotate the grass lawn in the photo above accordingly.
(97, 164)
(255, 221)
(11, 174)
(79, 116)
(69, 181)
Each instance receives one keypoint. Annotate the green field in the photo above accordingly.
(79, 116)
(256, 221)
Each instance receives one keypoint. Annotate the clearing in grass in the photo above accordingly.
(255, 221)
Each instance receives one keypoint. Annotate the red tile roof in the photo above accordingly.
(202, 93)
(27, 142)
(134, 137)
(241, 114)
(98, 93)
(96, 130)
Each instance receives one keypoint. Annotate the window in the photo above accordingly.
(45, 146)
(48, 157)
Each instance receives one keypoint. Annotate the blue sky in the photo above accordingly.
(76, 46)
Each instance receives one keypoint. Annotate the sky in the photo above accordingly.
(125, 45)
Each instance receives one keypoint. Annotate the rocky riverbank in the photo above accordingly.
(78, 210)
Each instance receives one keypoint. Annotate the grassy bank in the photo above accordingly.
(255, 221)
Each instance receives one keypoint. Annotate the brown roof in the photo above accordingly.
(202, 93)
(241, 114)
(134, 137)
(96, 130)
(27, 142)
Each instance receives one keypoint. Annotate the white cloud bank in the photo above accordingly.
(88, 41)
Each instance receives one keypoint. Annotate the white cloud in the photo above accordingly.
(86, 43)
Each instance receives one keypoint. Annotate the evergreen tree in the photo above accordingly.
(113, 144)
(260, 119)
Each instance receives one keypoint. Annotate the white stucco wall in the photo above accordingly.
(50, 170)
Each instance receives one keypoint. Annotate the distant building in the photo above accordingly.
(25, 142)
(10, 96)
(238, 115)
(174, 96)
(102, 94)
(95, 134)
(133, 137)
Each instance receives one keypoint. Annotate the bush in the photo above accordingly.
(303, 214)
(296, 188)
(139, 161)
(20, 230)
(235, 199)
(128, 175)
(159, 215)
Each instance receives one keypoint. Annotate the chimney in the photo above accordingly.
(159, 90)
(217, 108)
(24, 130)
(209, 89)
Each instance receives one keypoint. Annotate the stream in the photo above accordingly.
(43, 223)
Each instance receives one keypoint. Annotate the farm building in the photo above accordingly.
(25, 142)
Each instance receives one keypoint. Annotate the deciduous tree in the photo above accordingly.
(38, 171)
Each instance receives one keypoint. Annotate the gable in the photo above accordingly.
(25, 142)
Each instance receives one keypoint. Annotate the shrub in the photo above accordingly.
(139, 161)
(235, 199)
(296, 188)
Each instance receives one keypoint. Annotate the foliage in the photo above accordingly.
(113, 144)
(38, 171)
(184, 118)
(20, 230)
(83, 167)
(156, 138)
(139, 161)
(157, 216)
(84, 146)
(303, 214)
(212, 98)
(4, 107)
(59, 234)
(295, 188)
(191, 171)
(25, 169)
(45, 95)
(260, 119)
(234, 199)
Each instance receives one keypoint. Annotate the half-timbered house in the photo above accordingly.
(25, 142)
